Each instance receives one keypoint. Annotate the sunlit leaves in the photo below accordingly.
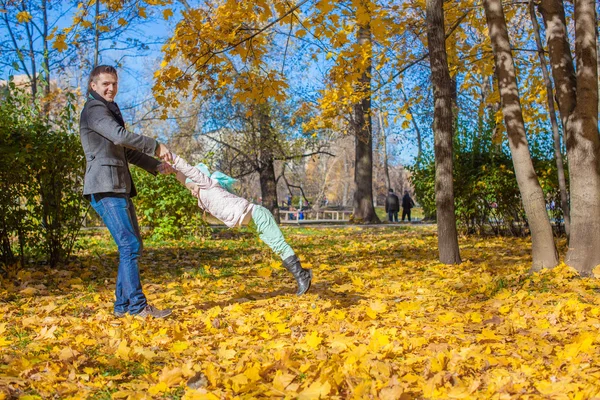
(383, 319)
(24, 17)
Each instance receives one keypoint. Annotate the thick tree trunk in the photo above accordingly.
(577, 96)
(562, 183)
(543, 248)
(364, 212)
(442, 128)
(268, 184)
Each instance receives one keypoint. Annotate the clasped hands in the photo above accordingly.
(165, 154)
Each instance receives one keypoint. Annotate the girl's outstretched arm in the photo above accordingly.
(193, 173)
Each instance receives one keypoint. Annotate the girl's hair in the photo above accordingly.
(101, 69)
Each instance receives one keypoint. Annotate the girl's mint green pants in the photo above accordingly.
(269, 232)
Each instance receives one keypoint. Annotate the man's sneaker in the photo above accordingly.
(119, 314)
(154, 312)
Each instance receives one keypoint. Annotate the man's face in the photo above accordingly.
(106, 85)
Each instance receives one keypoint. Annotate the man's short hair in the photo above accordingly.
(391, 190)
(101, 69)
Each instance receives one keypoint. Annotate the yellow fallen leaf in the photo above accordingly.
(198, 395)
(227, 354)
(282, 380)
(67, 353)
(46, 333)
(264, 272)
(171, 377)
(313, 340)
(160, 387)
(178, 347)
(29, 291)
(253, 373)
(487, 334)
(391, 393)
(123, 350)
(316, 390)
(146, 353)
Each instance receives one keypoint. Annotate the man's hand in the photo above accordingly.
(163, 152)
(165, 168)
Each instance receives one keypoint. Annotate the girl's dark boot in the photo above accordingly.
(303, 276)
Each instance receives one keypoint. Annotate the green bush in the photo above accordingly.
(486, 194)
(165, 206)
(41, 206)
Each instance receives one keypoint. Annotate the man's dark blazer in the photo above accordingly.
(109, 148)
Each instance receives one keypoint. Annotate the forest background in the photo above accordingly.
(486, 111)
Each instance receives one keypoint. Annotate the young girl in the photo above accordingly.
(233, 211)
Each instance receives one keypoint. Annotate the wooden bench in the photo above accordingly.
(314, 216)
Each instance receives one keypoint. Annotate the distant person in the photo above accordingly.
(214, 196)
(407, 204)
(109, 148)
(392, 206)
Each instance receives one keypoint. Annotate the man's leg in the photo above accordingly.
(391, 216)
(408, 214)
(116, 214)
(403, 214)
(395, 216)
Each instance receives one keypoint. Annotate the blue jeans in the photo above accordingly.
(393, 216)
(119, 217)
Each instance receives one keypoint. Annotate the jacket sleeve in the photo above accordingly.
(143, 161)
(193, 173)
(101, 121)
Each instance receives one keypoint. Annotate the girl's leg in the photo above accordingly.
(270, 233)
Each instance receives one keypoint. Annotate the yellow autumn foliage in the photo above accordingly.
(383, 320)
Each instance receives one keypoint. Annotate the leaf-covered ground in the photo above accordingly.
(382, 320)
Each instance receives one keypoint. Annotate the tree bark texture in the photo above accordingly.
(364, 211)
(386, 168)
(268, 184)
(449, 252)
(562, 183)
(543, 249)
(577, 95)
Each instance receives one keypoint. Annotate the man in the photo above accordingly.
(407, 204)
(109, 148)
(392, 206)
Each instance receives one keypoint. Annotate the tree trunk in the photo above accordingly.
(30, 40)
(562, 183)
(543, 248)
(46, 56)
(96, 34)
(386, 168)
(364, 212)
(449, 252)
(268, 183)
(577, 96)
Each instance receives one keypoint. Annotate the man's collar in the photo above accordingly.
(94, 95)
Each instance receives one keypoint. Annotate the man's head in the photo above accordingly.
(391, 190)
(104, 81)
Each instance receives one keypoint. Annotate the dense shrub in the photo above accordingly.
(41, 206)
(487, 197)
(165, 206)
